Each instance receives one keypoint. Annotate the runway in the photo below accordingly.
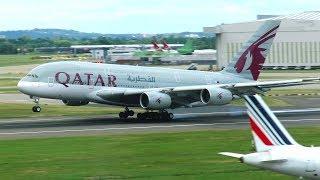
(55, 127)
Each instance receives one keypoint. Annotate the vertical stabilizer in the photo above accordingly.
(249, 60)
(165, 45)
(155, 44)
(266, 129)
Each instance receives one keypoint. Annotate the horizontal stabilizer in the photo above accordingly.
(230, 154)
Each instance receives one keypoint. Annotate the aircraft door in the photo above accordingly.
(50, 81)
(177, 77)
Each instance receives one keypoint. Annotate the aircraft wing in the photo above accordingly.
(271, 84)
(254, 86)
(260, 87)
(190, 95)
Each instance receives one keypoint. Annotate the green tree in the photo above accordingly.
(7, 48)
(62, 43)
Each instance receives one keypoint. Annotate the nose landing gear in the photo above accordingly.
(37, 107)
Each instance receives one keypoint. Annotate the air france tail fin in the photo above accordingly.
(249, 60)
(266, 129)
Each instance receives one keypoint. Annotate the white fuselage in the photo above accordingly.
(81, 81)
(293, 160)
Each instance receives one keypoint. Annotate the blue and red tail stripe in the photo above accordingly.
(262, 136)
(265, 124)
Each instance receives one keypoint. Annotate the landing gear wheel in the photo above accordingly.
(36, 108)
(123, 115)
(141, 116)
(155, 116)
(130, 112)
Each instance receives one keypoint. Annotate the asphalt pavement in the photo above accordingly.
(71, 126)
(304, 112)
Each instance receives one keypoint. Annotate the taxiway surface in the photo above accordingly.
(103, 125)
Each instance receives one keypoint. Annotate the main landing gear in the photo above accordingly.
(125, 114)
(161, 115)
(37, 107)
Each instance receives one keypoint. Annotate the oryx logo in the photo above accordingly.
(158, 100)
(254, 56)
(220, 95)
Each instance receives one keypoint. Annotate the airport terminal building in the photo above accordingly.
(297, 44)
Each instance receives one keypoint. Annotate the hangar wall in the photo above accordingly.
(297, 43)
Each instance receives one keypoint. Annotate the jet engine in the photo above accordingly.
(155, 100)
(75, 103)
(215, 96)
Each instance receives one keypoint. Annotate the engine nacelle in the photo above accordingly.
(155, 100)
(75, 103)
(215, 96)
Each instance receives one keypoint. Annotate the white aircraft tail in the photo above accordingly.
(249, 60)
(266, 129)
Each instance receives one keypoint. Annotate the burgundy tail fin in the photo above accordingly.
(165, 45)
(251, 57)
(155, 45)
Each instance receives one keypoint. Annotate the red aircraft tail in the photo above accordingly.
(155, 45)
(165, 45)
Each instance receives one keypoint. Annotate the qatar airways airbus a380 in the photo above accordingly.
(153, 88)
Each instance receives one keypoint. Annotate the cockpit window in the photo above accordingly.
(32, 75)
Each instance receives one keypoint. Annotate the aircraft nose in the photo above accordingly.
(21, 86)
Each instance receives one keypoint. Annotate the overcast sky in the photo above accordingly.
(139, 16)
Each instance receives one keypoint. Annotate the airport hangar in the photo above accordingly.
(297, 44)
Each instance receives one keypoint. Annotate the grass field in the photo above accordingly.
(15, 110)
(8, 84)
(18, 59)
(11, 75)
(8, 81)
(180, 155)
(9, 90)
